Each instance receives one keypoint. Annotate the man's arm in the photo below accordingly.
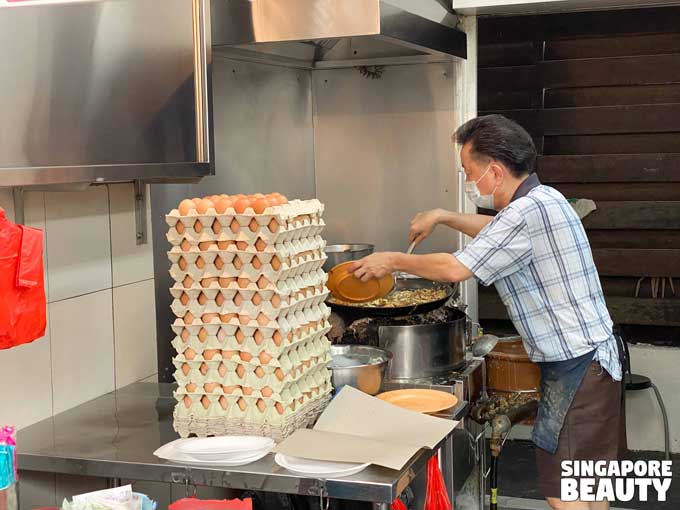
(441, 267)
(469, 224)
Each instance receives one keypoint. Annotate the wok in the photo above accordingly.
(359, 310)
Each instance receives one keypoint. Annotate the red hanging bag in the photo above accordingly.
(23, 314)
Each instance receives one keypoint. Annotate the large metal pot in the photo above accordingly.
(424, 350)
(359, 366)
(339, 253)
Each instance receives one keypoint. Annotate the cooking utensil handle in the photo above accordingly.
(411, 247)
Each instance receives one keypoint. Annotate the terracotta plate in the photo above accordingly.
(421, 401)
(345, 287)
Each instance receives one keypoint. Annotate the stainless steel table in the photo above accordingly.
(114, 436)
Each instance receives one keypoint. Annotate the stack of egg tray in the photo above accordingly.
(251, 325)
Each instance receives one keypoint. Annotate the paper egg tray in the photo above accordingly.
(277, 428)
(265, 251)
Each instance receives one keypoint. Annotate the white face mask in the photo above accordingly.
(476, 197)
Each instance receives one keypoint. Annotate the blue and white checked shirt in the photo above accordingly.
(537, 254)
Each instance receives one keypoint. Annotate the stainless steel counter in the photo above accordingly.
(114, 436)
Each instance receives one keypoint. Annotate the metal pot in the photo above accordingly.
(339, 253)
(424, 350)
(359, 366)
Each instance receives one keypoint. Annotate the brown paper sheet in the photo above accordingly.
(356, 427)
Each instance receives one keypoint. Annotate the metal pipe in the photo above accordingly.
(667, 439)
(493, 499)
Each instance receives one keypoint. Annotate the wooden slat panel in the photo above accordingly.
(505, 100)
(624, 310)
(612, 144)
(610, 168)
(600, 96)
(508, 54)
(642, 215)
(649, 239)
(625, 287)
(494, 30)
(625, 46)
(593, 72)
(613, 191)
(625, 262)
(599, 120)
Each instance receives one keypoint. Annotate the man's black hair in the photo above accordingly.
(502, 139)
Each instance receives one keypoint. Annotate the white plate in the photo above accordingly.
(318, 468)
(171, 452)
(224, 448)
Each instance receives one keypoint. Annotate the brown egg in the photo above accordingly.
(262, 319)
(260, 244)
(187, 401)
(188, 318)
(216, 227)
(273, 225)
(203, 206)
(224, 403)
(292, 406)
(210, 387)
(240, 336)
(244, 319)
(245, 356)
(247, 390)
(234, 226)
(191, 387)
(256, 263)
(185, 334)
(256, 299)
(186, 245)
(198, 226)
(184, 298)
(240, 371)
(218, 263)
(237, 263)
(182, 264)
(203, 334)
(253, 226)
(260, 205)
(226, 280)
(229, 389)
(189, 353)
(219, 300)
(196, 201)
(205, 401)
(238, 299)
(276, 263)
(200, 263)
(279, 374)
(261, 405)
(207, 318)
(179, 227)
(276, 301)
(265, 358)
(206, 245)
(306, 363)
(203, 368)
(202, 299)
(185, 206)
(207, 282)
(241, 204)
(241, 404)
(226, 317)
(262, 282)
(211, 353)
(243, 282)
(185, 368)
(277, 338)
(267, 391)
(224, 245)
(289, 337)
(228, 354)
(259, 372)
(279, 407)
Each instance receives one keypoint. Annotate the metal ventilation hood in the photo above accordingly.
(321, 31)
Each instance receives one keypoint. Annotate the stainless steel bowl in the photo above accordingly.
(359, 366)
(339, 253)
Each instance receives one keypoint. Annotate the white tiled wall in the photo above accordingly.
(101, 312)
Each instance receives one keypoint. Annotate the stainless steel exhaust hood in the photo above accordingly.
(322, 24)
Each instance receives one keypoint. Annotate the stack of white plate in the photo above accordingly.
(318, 468)
(217, 451)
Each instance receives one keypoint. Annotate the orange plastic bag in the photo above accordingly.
(213, 504)
(22, 286)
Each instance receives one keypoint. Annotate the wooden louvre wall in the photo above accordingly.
(600, 94)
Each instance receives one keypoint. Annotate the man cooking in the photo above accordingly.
(536, 252)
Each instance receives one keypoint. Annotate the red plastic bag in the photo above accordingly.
(22, 286)
(212, 504)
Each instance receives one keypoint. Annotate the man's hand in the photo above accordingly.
(375, 265)
(423, 224)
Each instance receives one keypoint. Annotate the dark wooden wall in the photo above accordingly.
(600, 94)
